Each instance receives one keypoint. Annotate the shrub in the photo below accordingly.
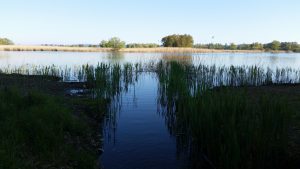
(5, 41)
(114, 43)
(178, 41)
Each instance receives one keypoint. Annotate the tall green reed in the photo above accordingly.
(224, 127)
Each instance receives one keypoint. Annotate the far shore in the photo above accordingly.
(134, 50)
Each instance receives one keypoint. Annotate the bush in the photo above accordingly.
(114, 43)
(233, 46)
(178, 41)
(5, 41)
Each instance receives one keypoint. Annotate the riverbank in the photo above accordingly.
(133, 50)
(44, 125)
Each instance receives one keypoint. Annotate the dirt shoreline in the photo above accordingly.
(129, 50)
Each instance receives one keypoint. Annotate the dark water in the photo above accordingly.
(141, 139)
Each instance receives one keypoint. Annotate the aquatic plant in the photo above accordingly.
(224, 127)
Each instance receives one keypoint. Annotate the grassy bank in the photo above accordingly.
(95, 49)
(42, 127)
(231, 127)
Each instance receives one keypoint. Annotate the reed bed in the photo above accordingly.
(198, 75)
(52, 48)
(225, 127)
(97, 49)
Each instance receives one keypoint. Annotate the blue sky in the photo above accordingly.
(90, 21)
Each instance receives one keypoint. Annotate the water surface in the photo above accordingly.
(140, 139)
(15, 59)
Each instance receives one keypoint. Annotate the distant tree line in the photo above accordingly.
(275, 45)
(183, 41)
(5, 41)
(142, 45)
(178, 41)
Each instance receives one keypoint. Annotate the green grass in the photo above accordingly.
(227, 127)
(38, 131)
(237, 132)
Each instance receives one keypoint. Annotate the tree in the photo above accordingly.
(5, 41)
(275, 45)
(289, 46)
(104, 44)
(178, 41)
(244, 47)
(256, 46)
(114, 43)
(233, 46)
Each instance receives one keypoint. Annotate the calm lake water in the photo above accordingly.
(16, 59)
(140, 138)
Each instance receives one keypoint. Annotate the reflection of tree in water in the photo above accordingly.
(184, 58)
(115, 57)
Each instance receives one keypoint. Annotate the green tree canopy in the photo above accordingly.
(275, 45)
(5, 41)
(256, 46)
(178, 41)
(114, 43)
(289, 46)
(233, 46)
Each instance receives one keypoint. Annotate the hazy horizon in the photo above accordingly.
(136, 21)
